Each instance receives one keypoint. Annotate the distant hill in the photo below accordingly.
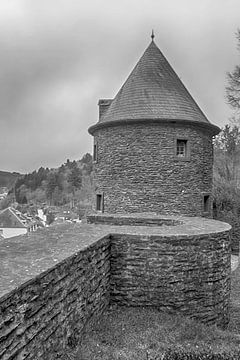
(69, 183)
(7, 179)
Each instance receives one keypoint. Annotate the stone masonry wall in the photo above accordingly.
(142, 220)
(183, 274)
(183, 267)
(137, 169)
(44, 318)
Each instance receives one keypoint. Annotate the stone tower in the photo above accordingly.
(153, 145)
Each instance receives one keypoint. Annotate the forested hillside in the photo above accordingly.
(71, 183)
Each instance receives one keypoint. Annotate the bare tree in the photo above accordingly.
(233, 88)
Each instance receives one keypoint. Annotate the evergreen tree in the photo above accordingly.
(75, 177)
(59, 186)
(53, 181)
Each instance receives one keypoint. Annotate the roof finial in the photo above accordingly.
(152, 36)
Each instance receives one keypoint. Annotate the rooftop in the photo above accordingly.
(12, 218)
(153, 91)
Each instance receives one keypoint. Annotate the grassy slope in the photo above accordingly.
(141, 333)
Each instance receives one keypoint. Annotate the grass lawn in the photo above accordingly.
(143, 333)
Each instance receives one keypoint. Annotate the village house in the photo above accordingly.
(3, 192)
(14, 223)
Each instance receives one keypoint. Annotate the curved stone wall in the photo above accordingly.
(180, 269)
(137, 169)
(68, 274)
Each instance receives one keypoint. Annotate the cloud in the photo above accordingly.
(58, 57)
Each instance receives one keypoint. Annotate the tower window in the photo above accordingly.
(95, 152)
(182, 151)
(99, 202)
(181, 148)
(206, 203)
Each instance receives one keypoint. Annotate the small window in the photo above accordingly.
(99, 202)
(206, 203)
(94, 152)
(182, 148)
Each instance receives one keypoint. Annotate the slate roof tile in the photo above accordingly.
(153, 91)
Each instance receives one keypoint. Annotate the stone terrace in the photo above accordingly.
(53, 281)
(24, 257)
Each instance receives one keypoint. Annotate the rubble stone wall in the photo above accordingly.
(183, 274)
(180, 269)
(44, 318)
(137, 169)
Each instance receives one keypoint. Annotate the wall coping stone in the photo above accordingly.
(183, 225)
(133, 219)
(25, 257)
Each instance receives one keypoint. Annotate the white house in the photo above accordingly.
(13, 223)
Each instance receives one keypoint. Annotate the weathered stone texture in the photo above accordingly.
(183, 268)
(137, 169)
(184, 274)
(139, 220)
(44, 317)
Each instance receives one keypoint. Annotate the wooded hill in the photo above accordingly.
(70, 183)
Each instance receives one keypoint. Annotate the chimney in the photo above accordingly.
(103, 106)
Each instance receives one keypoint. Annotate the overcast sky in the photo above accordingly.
(58, 57)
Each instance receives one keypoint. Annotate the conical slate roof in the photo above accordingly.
(153, 91)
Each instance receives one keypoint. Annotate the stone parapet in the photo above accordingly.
(178, 274)
(54, 281)
(44, 317)
(179, 265)
(133, 219)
